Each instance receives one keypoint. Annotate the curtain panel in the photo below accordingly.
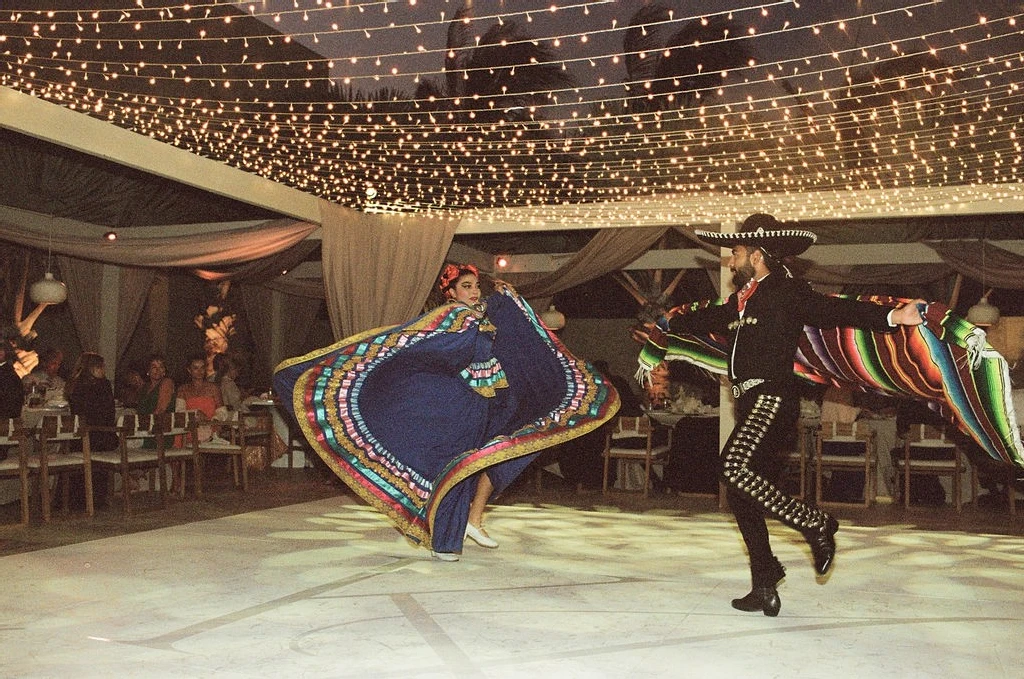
(147, 246)
(379, 268)
(982, 261)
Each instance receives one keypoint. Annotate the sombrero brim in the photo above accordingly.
(779, 243)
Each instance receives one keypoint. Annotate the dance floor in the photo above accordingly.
(329, 589)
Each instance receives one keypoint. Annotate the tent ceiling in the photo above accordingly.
(850, 129)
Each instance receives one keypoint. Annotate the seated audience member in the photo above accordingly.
(197, 392)
(45, 381)
(129, 388)
(157, 393)
(201, 395)
(12, 395)
(91, 397)
(225, 376)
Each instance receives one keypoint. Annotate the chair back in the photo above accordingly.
(138, 426)
(930, 434)
(852, 439)
(628, 426)
(179, 422)
(10, 431)
(929, 442)
(62, 427)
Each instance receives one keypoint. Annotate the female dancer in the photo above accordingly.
(426, 419)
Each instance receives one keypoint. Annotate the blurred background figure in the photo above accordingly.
(225, 376)
(12, 395)
(45, 383)
(129, 387)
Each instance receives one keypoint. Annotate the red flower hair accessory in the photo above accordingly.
(453, 272)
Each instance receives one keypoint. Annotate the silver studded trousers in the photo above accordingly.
(752, 463)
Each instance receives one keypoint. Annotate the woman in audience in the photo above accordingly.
(224, 376)
(197, 392)
(91, 397)
(157, 394)
(202, 396)
(129, 388)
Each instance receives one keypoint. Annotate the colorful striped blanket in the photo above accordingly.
(946, 362)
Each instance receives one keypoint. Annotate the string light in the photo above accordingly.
(538, 105)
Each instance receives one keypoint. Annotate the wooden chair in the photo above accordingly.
(53, 455)
(845, 446)
(641, 431)
(140, 447)
(18, 444)
(233, 440)
(928, 452)
(296, 443)
(1011, 489)
(176, 431)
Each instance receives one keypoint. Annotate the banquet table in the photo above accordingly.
(693, 463)
(281, 430)
(31, 418)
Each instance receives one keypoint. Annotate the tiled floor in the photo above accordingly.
(328, 589)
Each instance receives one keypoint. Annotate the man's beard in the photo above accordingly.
(741, 276)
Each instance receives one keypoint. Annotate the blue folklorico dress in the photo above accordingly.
(408, 416)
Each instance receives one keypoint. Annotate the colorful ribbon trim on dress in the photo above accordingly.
(325, 386)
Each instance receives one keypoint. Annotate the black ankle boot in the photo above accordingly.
(823, 544)
(764, 599)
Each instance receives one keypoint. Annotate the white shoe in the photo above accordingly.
(444, 556)
(481, 538)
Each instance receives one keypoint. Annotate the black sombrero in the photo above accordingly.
(764, 232)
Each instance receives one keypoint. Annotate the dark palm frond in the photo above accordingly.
(644, 35)
(698, 53)
(349, 94)
(513, 69)
(427, 89)
(459, 40)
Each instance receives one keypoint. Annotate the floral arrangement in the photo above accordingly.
(218, 325)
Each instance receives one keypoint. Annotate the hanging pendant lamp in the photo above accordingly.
(983, 314)
(48, 290)
(552, 318)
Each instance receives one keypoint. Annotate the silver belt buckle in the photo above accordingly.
(745, 386)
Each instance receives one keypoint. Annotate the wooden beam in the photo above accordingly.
(43, 120)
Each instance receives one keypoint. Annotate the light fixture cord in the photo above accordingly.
(49, 246)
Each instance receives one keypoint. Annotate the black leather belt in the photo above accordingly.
(746, 385)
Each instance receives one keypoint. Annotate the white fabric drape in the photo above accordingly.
(133, 289)
(84, 281)
(609, 250)
(379, 268)
(145, 246)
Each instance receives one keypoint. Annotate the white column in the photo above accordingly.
(110, 304)
(276, 354)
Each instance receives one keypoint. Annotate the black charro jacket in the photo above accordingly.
(763, 343)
